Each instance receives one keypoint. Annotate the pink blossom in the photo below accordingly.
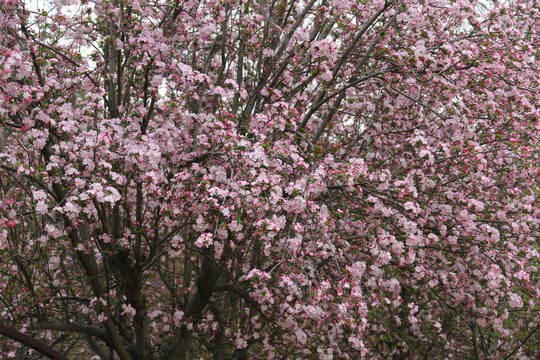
(515, 301)
(205, 240)
(128, 310)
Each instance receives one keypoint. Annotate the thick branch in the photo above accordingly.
(31, 342)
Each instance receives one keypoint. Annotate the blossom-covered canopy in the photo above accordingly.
(242, 179)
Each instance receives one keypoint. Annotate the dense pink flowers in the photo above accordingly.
(271, 179)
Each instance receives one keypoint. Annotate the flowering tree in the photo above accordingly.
(271, 178)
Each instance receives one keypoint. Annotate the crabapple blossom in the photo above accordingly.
(281, 179)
